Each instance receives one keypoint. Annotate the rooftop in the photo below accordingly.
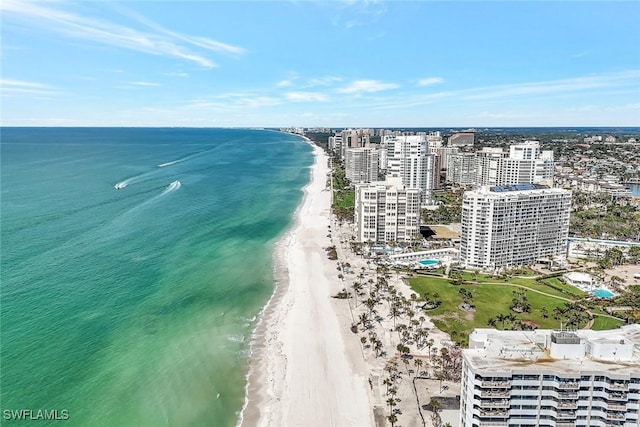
(518, 187)
(614, 351)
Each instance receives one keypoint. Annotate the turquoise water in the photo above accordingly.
(134, 307)
(429, 262)
(603, 293)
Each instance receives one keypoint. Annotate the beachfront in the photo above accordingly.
(306, 371)
(308, 367)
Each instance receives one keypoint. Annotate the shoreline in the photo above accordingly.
(301, 367)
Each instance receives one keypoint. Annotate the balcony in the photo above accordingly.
(495, 404)
(615, 416)
(493, 424)
(617, 407)
(565, 424)
(498, 413)
(565, 415)
(489, 393)
(618, 396)
(567, 405)
(618, 386)
(568, 395)
(496, 384)
(570, 385)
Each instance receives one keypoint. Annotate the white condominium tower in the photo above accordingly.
(551, 378)
(386, 211)
(361, 165)
(410, 158)
(524, 163)
(513, 225)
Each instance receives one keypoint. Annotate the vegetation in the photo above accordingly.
(502, 305)
(599, 216)
(446, 213)
(343, 195)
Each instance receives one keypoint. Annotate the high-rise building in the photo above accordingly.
(361, 165)
(525, 163)
(387, 211)
(551, 378)
(461, 168)
(410, 158)
(514, 225)
(353, 138)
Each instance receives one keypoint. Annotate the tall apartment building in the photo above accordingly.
(409, 157)
(550, 378)
(462, 168)
(387, 211)
(335, 142)
(524, 163)
(354, 138)
(361, 165)
(434, 139)
(507, 226)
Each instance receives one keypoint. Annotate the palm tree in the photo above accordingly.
(418, 363)
(395, 313)
(393, 419)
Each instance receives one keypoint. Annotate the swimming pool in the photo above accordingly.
(603, 293)
(429, 262)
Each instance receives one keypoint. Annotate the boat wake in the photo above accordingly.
(172, 187)
(162, 165)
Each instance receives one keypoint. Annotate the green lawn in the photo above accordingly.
(489, 300)
(605, 323)
(344, 199)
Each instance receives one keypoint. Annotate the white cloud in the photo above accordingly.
(305, 97)
(575, 84)
(430, 81)
(21, 87)
(285, 83)
(144, 84)
(360, 86)
(161, 42)
(324, 81)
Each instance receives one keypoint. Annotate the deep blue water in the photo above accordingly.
(134, 307)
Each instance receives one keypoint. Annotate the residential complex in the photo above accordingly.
(551, 378)
(361, 165)
(461, 139)
(523, 163)
(387, 211)
(411, 159)
(507, 226)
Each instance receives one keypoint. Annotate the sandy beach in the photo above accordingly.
(305, 369)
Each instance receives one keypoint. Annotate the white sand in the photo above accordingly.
(307, 366)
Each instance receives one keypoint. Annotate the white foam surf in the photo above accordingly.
(172, 187)
(121, 185)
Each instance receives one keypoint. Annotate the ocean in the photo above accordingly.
(135, 306)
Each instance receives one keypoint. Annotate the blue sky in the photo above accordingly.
(309, 63)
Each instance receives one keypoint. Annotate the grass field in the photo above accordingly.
(605, 323)
(344, 199)
(489, 300)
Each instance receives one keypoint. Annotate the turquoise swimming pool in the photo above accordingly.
(429, 262)
(603, 293)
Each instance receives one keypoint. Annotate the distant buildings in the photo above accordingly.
(361, 165)
(461, 139)
(523, 163)
(551, 378)
(387, 211)
(507, 226)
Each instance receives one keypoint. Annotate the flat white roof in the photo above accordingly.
(506, 351)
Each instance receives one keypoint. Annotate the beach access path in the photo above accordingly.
(310, 370)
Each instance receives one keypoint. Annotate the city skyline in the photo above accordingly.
(348, 63)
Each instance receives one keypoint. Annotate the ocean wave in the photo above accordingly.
(236, 338)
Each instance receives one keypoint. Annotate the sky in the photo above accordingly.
(320, 63)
